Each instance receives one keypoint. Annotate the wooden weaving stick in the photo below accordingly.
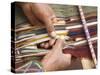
(43, 53)
(79, 33)
(87, 35)
(27, 26)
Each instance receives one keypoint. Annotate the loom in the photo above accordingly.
(29, 37)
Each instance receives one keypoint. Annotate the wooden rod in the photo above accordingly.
(87, 34)
(80, 26)
(43, 35)
(87, 63)
(60, 22)
(69, 27)
(43, 53)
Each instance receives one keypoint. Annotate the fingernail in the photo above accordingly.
(62, 37)
(54, 20)
(46, 45)
(42, 44)
(51, 42)
(53, 34)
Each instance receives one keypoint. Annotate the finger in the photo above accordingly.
(51, 42)
(52, 14)
(42, 45)
(28, 13)
(44, 15)
(68, 57)
(46, 45)
(49, 26)
(50, 11)
(54, 19)
(58, 45)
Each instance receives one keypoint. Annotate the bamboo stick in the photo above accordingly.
(67, 28)
(35, 42)
(65, 32)
(30, 55)
(39, 36)
(43, 53)
(87, 63)
(87, 34)
(80, 26)
(62, 22)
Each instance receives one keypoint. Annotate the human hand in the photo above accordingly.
(39, 13)
(56, 59)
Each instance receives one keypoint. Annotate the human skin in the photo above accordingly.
(39, 13)
(42, 14)
(56, 59)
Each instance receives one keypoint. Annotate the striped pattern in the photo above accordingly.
(87, 34)
(28, 37)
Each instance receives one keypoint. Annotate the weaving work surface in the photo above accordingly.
(28, 55)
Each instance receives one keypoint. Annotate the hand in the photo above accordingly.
(39, 13)
(56, 59)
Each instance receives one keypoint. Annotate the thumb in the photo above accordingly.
(59, 45)
(50, 28)
(49, 25)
